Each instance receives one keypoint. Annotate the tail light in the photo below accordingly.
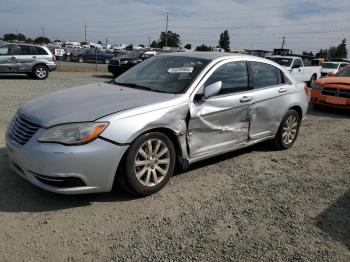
(54, 58)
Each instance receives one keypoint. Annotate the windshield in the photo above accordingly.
(330, 65)
(344, 73)
(282, 61)
(167, 74)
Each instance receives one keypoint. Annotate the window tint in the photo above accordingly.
(264, 75)
(233, 75)
(26, 50)
(40, 51)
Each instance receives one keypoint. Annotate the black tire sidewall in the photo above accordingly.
(36, 76)
(129, 164)
(279, 137)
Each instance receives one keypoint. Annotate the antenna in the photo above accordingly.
(283, 41)
(166, 30)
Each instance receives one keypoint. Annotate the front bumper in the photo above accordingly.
(333, 101)
(94, 164)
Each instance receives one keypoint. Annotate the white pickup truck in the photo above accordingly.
(295, 66)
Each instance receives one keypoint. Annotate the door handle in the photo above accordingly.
(34, 57)
(246, 99)
(282, 90)
(13, 57)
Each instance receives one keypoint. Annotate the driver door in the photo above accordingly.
(222, 121)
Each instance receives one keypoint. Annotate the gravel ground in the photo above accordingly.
(256, 204)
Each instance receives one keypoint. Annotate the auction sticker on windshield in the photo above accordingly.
(179, 70)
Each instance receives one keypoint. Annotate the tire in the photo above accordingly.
(40, 72)
(288, 130)
(144, 173)
(81, 60)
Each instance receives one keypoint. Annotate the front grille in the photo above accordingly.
(336, 92)
(21, 129)
(114, 62)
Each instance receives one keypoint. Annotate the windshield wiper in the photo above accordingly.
(133, 85)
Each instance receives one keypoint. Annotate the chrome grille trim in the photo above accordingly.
(22, 130)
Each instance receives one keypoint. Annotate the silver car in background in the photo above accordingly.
(173, 109)
(33, 60)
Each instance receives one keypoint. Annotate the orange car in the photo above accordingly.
(332, 91)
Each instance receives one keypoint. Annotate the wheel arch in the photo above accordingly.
(40, 64)
(299, 111)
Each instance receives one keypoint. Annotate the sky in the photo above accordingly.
(252, 24)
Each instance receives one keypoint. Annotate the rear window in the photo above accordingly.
(41, 51)
(264, 75)
(330, 65)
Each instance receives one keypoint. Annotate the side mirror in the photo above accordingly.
(295, 66)
(212, 90)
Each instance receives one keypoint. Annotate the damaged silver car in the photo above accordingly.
(173, 109)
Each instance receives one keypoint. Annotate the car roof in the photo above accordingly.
(206, 55)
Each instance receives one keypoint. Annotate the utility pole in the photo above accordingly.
(166, 30)
(43, 33)
(283, 41)
(149, 41)
(85, 33)
(17, 34)
(106, 42)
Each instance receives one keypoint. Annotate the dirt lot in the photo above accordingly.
(256, 204)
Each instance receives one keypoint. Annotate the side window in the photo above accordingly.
(5, 50)
(264, 75)
(298, 63)
(40, 51)
(234, 77)
(26, 50)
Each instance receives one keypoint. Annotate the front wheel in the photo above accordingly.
(288, 131)
(150, 163)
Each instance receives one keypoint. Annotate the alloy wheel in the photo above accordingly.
(290, 129)
(152, 162)
(40, 72)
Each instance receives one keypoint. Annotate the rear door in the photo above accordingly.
(219, 123)
(8, 58)
(270, 99)
(27, 57)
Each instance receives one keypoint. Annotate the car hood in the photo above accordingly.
(87, 103)
(334, 80)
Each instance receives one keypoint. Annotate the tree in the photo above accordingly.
(173, 39)
(154, 44)
(142, 45)
(308, 53)
(203, 47)
(99, 42)
(10, 37)
(188, 46)
(224, 41)
(41, 39)
(341, 51)
(29, 40)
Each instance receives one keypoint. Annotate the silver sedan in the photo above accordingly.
(173, 109)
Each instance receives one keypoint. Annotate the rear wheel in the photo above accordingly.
(288, 130)
(40, 72)
(150, 163)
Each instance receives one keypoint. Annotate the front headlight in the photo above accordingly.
(314, 85)
(73, 134)
(124, 62)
